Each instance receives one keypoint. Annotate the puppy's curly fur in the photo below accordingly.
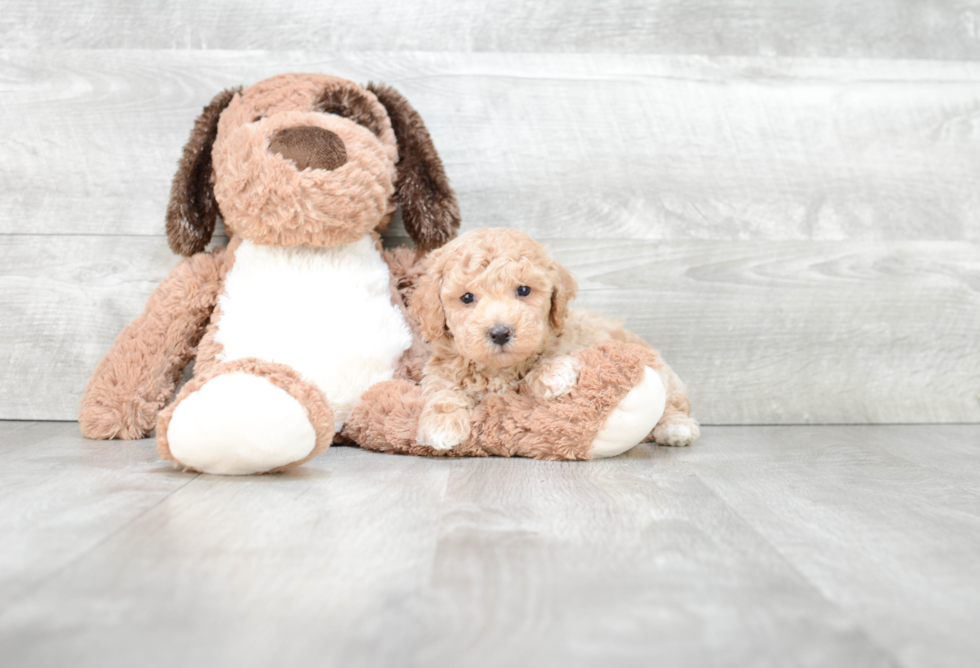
(494, 306)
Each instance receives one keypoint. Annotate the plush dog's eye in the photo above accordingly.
(523, 291)
(467, 298)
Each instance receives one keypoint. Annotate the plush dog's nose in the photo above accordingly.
(309, 146)
(499, 334)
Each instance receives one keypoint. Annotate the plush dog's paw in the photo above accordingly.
(239, 424)
(635, 415)
(555, 377)
(679, 430)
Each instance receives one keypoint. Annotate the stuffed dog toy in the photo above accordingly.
(514, 372)
(301, 313)
(494, 304)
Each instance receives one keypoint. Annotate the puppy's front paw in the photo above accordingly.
(554, 377)
(443, 431)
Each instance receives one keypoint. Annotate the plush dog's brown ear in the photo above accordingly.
(426, 303)
(192, 210)
(429, 207)
(563, 292)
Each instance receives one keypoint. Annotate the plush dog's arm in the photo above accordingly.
(138, 375)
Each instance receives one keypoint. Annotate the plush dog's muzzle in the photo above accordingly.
(310, 146)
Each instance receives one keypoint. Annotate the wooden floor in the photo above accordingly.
(781, 546)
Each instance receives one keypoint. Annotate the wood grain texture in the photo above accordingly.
(64, 299)
(59, 499)
(936, 29)
(800, 332)
(872, 531)
(603, 146)
(763, 332)
(327, 572)
(801, 546)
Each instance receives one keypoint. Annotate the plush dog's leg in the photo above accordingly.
(246, 416)
(617, 400)
(138, 375)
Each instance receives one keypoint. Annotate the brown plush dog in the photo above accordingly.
(299, 315)
(494, 304)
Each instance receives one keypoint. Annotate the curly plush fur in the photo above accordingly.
(494, 306)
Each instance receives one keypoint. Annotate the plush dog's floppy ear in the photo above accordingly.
(426, 302)
(563, 292)
(429, 207)
(193, 210)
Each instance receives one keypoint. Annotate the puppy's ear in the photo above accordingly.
(426, 302)
(429, 206)
(193, 210)
(563, 292)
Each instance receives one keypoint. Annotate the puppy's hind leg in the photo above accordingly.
(676, 427)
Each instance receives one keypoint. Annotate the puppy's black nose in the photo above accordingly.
(499, 334)
(309, 146)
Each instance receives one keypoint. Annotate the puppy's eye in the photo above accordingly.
(467, 298)
(523, 291)
(257, 119)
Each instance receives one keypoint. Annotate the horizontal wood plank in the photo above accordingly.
(829, 28)
(763, 332)
(801, 332)
(560, 145)
(788, 546)
(362, 559)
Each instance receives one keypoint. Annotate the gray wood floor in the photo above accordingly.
(763, 546)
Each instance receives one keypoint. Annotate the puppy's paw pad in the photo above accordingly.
(560, 379)
(678, 434)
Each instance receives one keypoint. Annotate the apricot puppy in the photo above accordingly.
(494, 306)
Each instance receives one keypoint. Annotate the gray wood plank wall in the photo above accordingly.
(780, 196)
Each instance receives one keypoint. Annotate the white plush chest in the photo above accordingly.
(326, 312)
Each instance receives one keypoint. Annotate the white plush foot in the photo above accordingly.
(632, 419)
(238, 424)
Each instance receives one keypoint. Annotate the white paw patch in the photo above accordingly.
(678, 435)
(634, 417)
(441, 439)
(238, 424)
(561, 380)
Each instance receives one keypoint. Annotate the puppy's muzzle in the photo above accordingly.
(499, 334)
(309, 146)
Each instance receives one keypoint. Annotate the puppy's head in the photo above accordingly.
(496, 293)
(309, 159)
